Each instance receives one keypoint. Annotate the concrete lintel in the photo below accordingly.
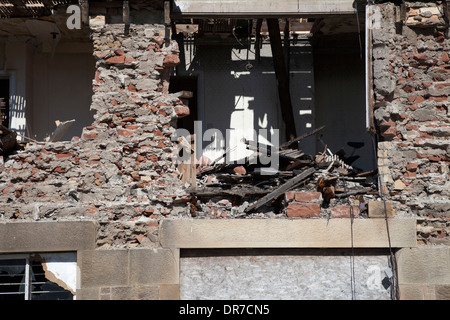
(262, 8)
(288, 233)
(47, 236)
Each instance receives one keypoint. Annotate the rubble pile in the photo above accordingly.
(304, 185)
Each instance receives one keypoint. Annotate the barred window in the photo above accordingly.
(23, 277)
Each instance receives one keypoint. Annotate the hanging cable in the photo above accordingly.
(392, 263)
(352, 256)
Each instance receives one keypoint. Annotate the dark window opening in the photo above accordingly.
(4, 102)
(186, 83)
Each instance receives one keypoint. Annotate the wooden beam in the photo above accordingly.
(84, 4)
(290, 142)
(258, 39)
(126, 12)
(282, 77)
(167, 12)
(291, 183)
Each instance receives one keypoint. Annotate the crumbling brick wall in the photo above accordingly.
(412, 87)
(120, 172)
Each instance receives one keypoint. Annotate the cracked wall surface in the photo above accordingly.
(411, 85)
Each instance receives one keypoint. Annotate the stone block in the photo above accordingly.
(443, 292)
(154, 266)
(344, 211)
(135, 293)
(101, 268)
(286, 233)
(303, 210)
(424, 265)
(377, 209)
(47, 236)
(169, 292)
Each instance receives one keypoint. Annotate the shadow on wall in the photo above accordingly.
(237, 96)
(340, 106)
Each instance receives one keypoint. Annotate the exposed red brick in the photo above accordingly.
(413, 107)
(131, 87)
(307, 196)
(445, 58)
(344, 211)
(153, 158)
(59, 170)
(240, 170)
(408, 89)
(64, 155)
(409, 174)
(416, 99)
(115, 60)
(171, 60)
(97, 77)
(129, 119)
(303, 210)
(157, 133)
(129, 60)
(120, 52)
(388, 128)
(125, 133)
(140, 237)
(412, 166)
(182, 111)
(420, 56)
(92, 209)
(434, 158)
(148, 212)
(90, 136)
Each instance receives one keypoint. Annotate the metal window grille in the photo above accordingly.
(22, 278)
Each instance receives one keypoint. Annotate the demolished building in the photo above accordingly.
(249, 150)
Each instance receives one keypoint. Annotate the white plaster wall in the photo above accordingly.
(235, 97)
(245, 100)
(46, 87)
(17, 67)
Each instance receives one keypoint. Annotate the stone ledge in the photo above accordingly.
(287, 233)
(47, 236)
